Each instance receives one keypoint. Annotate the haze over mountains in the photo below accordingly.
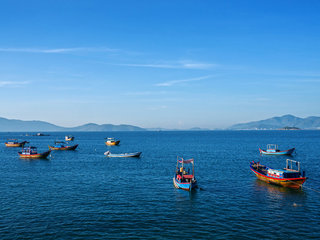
(280, 122)
(13, 125)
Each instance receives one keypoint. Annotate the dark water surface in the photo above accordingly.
(84, 195)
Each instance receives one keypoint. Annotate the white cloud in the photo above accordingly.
(175, 65)
(12, 83)
(57, 50)
(146, 93)
(174, 82)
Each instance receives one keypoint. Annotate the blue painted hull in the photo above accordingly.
(286, 152)
(185, 186)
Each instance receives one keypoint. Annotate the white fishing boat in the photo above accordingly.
(135, 154)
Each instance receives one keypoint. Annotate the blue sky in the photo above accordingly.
(171, 64)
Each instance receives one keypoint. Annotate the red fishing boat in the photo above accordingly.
(287, 177)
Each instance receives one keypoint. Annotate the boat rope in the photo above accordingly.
(315, 190)
(313, 180)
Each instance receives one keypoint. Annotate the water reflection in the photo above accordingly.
(275, 189)
(275, 197)
(182, 195)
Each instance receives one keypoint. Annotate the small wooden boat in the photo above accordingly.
(112, 142)
(41, 134)
(69, 138)
(287, 177)
(62, 146)
(272, 149)
(184, 177)
(135, 154)
(31, 152)
(15, 143)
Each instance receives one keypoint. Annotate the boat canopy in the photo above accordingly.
(185, 161)
(272, 147)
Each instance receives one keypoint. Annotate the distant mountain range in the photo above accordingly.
(284, 122)
(12, 125)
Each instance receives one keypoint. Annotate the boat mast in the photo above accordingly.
(177, 167)
(193, 168)
(182, 169)
(291, 161)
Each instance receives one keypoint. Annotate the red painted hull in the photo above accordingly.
(295, 183)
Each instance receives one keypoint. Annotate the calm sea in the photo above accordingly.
(84, 195)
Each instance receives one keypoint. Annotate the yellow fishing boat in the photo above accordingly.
(15, 143)
(112, 142)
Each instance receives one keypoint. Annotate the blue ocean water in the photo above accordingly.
(84, 195)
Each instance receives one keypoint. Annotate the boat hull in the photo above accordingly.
(64, 148)
(124, 155)
(21, 144)
(294, 183)
(185, 186)
(33, 156)
(286, 152)
(113, 143)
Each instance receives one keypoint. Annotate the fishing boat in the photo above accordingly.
(184, 177)
(112, 142)
(123, 155)
(32, 152)
(58, 145)
(272, 149)
(287, 177)
(15, 143)
(41, 134)
(69, 138)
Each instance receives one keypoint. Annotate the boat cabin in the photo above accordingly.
(59, 144)
(287, 172)
(272, 148)
(185, 170)
(29, 151)
(12, 141)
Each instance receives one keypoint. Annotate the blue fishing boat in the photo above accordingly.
(272, 149)
(184, 177)
(58, 145)
(124, 155)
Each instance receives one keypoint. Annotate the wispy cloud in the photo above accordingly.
(308, 80)
(157, 108)
(174, 82)
(175, 65)
(146, 93)
(12, 83)
(58, 50)
(262, 99)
